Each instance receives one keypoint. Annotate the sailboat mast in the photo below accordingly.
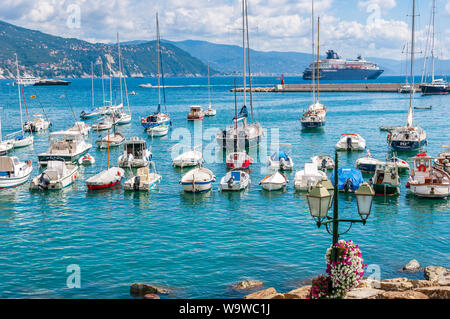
(313, 77)
(120, 69)
(209, 90)
(433, 41)
(18, 91)
(110, 87)
(157, 61)
(92, 81)
(318, 56)
(411, 94)
(103, 83)
(248, 61)
(235, 105)
(243, 52)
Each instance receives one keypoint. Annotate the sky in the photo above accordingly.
(373, 28)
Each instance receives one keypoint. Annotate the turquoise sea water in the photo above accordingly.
(200, 244)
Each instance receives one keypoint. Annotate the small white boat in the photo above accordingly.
(195, 113)
(351, 142)
(105, 124)
(443, 160)
(308, 177)
(210, 112)
(132, 93)
(402, 165)
(144, 180)
(238, 160)
(88, 114)
(115, 139)
(235, 181)
(5, 147)
(386, 181)
(427, 181)
(23, 141)
(160, 130)
(57, 175)
(87, 159)
(122, 118)
(13, 172)
(406, 88)
(280, 160)
(105, 179)
(274, 182)
(38, 124)
(145, 85)
(135, 154)
(323, 162)
(198, 180)
(80, 127)
(188, 159)
(367, 164)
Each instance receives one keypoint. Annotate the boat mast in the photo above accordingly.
(120, 69)
(18, 90)
(433, 41)
(248, 61)
(103, 83)
(318, 57)
(92, 80)
(313, 77)
(235, 105)
(409, 122)
(209, 90)
(243, 52)
(110, 87)
(157, 62)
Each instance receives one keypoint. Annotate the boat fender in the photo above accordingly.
(422, 168)
(118, 173)
(29, 163)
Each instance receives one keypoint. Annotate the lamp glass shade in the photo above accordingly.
(330, 188)
(319, 202)
(364, 199)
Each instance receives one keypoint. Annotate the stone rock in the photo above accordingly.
(364, 293)
(434, 273)
(396, 284)
(413, 265)
(369, 283)
(140, 289)
(300, 293)
(248, 284)
(422, 283)
(437, 292)
(409, 294)
(268, 293)
(278, 296)
(151, 296)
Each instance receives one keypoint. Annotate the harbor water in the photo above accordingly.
(201, 244)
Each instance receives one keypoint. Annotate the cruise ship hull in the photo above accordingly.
(344, 74)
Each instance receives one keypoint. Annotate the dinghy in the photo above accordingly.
(188, 159)
(106, 179)
(308, 177)
(13, 172)
(198, 180)
(235, 181)
(88, 114)
(106, 124)
(351, 142)
(113, 140)
(135, 154)
(56, 176)
(349, 179)
(280, 160)
(195, 113)
(157, 131)
(427, 181)
(238, 160)
(323, 162)
(87, 159)
(144, 180)
(367, 164)
(386, 181)
(274, 182)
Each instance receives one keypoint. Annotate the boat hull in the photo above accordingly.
(434, 90)
(430, 191)
(56, 185)
(43, 159)
(102, 186)
(407, 145)
(313, 125)
(14, 182)
(386, 189)
(344, 74)
(197, 187)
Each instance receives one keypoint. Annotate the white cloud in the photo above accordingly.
(447, 7)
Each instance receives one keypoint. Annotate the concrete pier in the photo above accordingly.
(332, 87)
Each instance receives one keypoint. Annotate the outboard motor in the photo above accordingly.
(349, 143)
(44, 182)
(282, 163)
(348, 186)
(324, 164)
(137, 182)
(230, 182)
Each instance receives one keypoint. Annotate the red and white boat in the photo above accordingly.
(195, 113)
(106, 179)
(238, 160)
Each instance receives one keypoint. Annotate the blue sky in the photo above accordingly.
(375, 28)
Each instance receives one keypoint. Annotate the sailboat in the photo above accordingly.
(409, 138)
(210, 111)
(241, 134)
(158, 118)
(20, 139)
(121, 116)
(437, 86)
(314, 117)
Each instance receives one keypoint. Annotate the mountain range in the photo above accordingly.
(45, 55)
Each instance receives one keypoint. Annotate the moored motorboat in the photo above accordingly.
(144, 180)
(281, 161)
(308, 177)
(22, 140)
(402, 165)
(349, 179)
(56, 176)
(13, 172)
(114, 139)
(135, 154)
(38, 124)
(5, 147)
(87, 159)
(274, 182)
(198, 180)
(367, 164)
(105, 179)
(323, 162)
(188, 159)
(158, 131)
(386, 181)
(238, 160)
(81, 127)
(351, 142)
(195, 113)
(443, 161)
(235, 181)
(105, 124)
(427, 181)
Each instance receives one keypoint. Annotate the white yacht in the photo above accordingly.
(351, 142)
(308, 177)
(144, 180)
(135, 154)
(13, 172)
(56, 176)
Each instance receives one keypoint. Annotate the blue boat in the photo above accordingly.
(349, 179)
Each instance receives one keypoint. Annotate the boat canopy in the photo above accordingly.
(277, 156)
(6, 164)
(236, 176)
(243, 113)
(344, 174)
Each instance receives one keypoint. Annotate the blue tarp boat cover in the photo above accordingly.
(243, 113)
(346, 173)
(277, 156)
(236, 176)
